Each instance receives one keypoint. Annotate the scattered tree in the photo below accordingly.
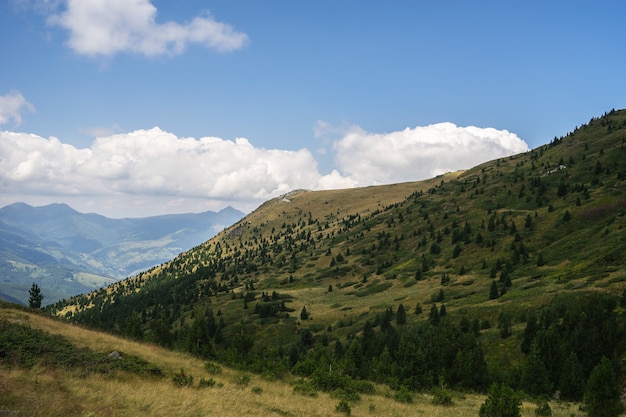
(502, 401)
(602, 396)
(401, 315)
(35, 297)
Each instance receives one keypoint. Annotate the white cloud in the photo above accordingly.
(108, 27)
(152, 170)
(149, 172)
(11, 107)
(421, 152)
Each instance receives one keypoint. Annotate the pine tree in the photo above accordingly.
(602, 396)
(501, 402)
(572, 382)
(434, 317)
(304, 315)
(493, 291)
(35, 297)
(401, 315)
(535, 376)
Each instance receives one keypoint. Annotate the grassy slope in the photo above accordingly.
(45, 391)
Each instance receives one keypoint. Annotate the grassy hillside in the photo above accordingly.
(521, 251)
(57, 389)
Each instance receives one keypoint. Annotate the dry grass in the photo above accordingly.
(55, 392)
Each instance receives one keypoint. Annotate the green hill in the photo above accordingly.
(512, 271)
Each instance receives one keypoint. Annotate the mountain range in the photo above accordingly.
(68, 253)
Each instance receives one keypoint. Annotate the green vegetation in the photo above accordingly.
(35, 297)
(316, 284)
(22, 346)
(502, 401)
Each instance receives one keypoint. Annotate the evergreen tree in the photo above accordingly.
(535, 376)
(572, 382)
(401, 315)
(433, 317)
(602, 395)
(35, 297)
(493, 291)
(501, 402)
(532, 327)
(304, 315)
(419, 309)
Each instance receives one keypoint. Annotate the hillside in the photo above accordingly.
(142, 383)
(472, 277)
(67, 253)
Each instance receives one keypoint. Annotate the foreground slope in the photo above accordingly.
(42, 388)
(491, 248)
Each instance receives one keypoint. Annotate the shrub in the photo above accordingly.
(257, 390)
(205, 383)
(242, 379)
(181, 379)
(403, 395)
(441, 396)
(543, 410)
(304, 387)
(346, 395)
(343, 407)
(213, 368)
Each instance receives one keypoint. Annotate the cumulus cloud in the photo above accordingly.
(11, 107)
(148, 167)
(420, 153)
(149, 172)
(108, 27)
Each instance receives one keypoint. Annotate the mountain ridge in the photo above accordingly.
(57, 246)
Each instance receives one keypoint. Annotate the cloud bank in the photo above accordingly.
(149, 172)
(108, 27)
(11, 107)
(421, 152)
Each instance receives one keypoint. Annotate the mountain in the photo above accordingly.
(513, 271)
(68, 253)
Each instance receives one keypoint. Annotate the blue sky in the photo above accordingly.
(133, 108)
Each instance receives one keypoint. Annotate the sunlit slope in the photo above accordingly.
(535, 225)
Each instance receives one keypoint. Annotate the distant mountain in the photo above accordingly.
(69, 253)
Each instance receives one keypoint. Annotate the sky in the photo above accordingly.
(134, 108)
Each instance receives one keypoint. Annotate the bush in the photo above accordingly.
(343, 407)
(242, 379)
(304, 387)
(543, 410)
(257, 390)
(213, 368)
(346, 395)
(181, 379)
(205, 383)
(441, 396)
(403, 395)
